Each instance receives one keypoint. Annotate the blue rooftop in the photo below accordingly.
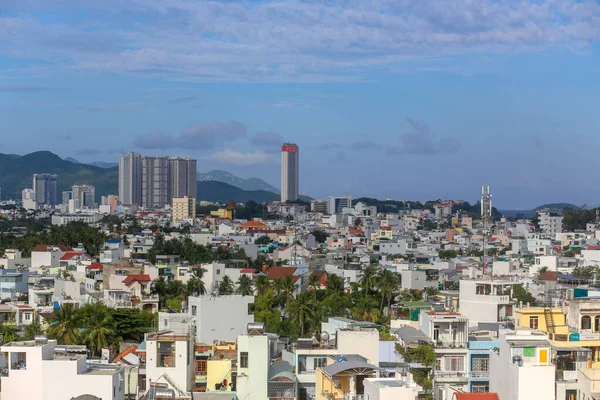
(113, 240)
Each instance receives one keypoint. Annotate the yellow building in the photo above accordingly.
(553, 322)
(343, 378)
(218, 374)
(382, 233)
(184, 208)
(222, 213)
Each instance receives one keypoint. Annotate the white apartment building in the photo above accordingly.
(42, 370)
(550, 222)
(449, 332)
(253, 363)
(485, 300)
(171, 354)
(220, 317)
(522, 367)
(47, 256)
(88, 218)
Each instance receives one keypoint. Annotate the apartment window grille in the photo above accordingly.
(586, 322)
(244, 359)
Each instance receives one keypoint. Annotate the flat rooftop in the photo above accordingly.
(391, 382)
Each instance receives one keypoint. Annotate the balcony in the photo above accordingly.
(442, 344)
(450, 376)
(480, 374)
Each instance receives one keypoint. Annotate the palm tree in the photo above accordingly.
(159, 287)
(98, 328)
(387, 283)
(314, 284)
(303, 308)
(262, 284)
(369, 279)
(285, 289)
(244, 285)
(196, 284)
(226, 286)
(335, 284)
(365, 309)
(63, 325)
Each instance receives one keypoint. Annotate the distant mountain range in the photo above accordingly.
(245, 184)
(100, 164)
(16, 174)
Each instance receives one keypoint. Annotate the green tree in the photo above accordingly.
(98, 328)
(32, 330)
(195, 285)
(522, 295)
(387, 284)
(365, 309)
(320, 235)
(63, 325)
(314, 284)
(265, 239)
(226, 286)
(303, 310)
(263, 283)
(541, 271)
(285, 290)
(244, 286)
(159, 287)
(368, 282)
(334, 284)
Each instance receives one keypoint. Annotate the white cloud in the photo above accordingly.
(297, 40)
(240, 159)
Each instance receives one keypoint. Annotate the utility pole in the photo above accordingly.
(486, 216)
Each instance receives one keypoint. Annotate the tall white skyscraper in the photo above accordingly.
(290, 157)
(130, 178)
(45, 187)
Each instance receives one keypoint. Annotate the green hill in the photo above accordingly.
(222, 192)
(16, 173)
(556, 206)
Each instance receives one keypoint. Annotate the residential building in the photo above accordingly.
(310, 354)
(588, 384)
(220, 317)
(335, 205)
(66, 196)
(290, 170)
(63, 219)
(343, 377)
(86, 195)
(486, 300)
(47, 255)
(521, 368)
(396, 388)
(155, 182)
(28, 199)
(130, 179)
(550, 222)
(45, 187)
(184, 208)
(183, 179)
(479, 362)
(171, 355)
(318, 206)
(253, 363)
(449, 332)
(41, 370)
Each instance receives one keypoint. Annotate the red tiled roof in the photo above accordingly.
(95, 266)
(46, 314)
(254, 225)
(136, 278)
(247, 270)
(45, 247)
(549, 276)
(276, 273)
(70, 254)
(475, 396)
(24, 307)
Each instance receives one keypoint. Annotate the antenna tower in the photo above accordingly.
(486, 216)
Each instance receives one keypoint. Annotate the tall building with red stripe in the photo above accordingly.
(290, 158)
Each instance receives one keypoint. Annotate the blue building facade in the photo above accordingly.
(479, 364)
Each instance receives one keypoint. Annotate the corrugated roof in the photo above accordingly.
(338, 367)
(282, 369)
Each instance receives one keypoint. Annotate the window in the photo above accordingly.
(218, 272)
(194, 308)
(454, 363)
(436, 332)
(533, 322)
(27, 317)
(319, 363)
(586, 322)
(201, 367)
(244, 359)
(597, 323)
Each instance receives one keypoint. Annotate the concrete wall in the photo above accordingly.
(252, 381)
(220, 317)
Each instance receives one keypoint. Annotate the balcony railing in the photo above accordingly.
(480, 374)
(450, 345)
(306, 372)
(451, 374)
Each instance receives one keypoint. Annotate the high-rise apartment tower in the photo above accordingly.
(130, 178)
(290, 157)
(45, 187)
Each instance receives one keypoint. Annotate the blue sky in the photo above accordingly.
(405, 99)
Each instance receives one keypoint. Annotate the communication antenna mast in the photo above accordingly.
(486, 216)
